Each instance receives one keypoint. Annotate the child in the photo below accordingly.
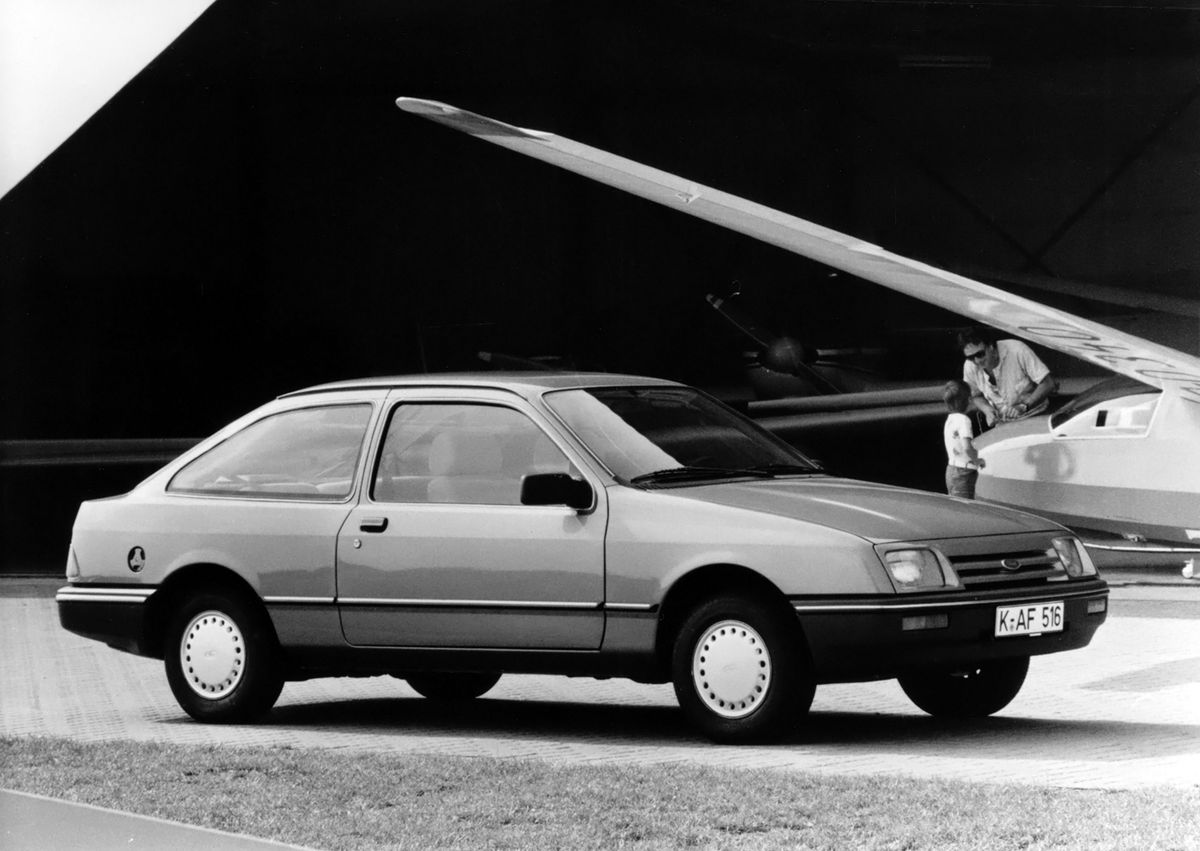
(962, 461)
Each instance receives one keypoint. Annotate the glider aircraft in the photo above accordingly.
(1122, 459)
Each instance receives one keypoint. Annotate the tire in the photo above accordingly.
(222, 658)
(973, 693)
(764, 684)
(453, 686)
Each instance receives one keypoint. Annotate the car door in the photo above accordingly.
(440, 552)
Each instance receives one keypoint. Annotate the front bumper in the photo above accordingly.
(117, 616)
(855, 640)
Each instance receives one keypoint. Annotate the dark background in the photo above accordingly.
(252, 214)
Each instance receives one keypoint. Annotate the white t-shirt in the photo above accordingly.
(1018, 371)
(957, 427)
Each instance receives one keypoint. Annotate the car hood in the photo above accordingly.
(879, 513)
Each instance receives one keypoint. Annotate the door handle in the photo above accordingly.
(373, 524)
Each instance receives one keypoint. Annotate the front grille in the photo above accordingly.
(1008, 569)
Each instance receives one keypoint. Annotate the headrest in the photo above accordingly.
(464, 453)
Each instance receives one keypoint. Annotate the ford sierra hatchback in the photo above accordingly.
(452, 529)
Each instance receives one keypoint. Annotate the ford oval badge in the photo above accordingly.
(136, 559)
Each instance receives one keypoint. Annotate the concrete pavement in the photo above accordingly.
(1122, 713)
(36, 823)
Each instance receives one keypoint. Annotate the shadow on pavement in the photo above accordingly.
(534, 720)
(999, 737)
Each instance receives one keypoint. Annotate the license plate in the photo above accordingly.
(1032, 619)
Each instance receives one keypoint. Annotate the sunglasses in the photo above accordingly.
(975, 356)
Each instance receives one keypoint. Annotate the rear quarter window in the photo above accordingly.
(309, 453)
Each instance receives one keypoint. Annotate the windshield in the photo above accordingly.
(647, 433)
(1116, 387)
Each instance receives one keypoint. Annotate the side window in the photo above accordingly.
(310, 453)
(456, 453)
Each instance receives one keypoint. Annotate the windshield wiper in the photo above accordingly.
(692, 472)
(786, 469)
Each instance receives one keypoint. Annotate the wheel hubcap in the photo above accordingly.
(731, 669)
(213, 655)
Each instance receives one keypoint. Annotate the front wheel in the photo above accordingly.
(740, 670)
(453, 686)
(973, 692)
(222, 659)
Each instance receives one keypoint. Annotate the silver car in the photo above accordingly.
(449, 529)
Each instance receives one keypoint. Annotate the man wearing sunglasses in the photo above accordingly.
(1008, 381)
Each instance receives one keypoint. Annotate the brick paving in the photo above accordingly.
(1123, 713)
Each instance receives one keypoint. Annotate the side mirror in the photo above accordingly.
(556, 489)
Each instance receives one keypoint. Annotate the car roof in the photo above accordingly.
(525, 383)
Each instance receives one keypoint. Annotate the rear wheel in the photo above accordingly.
(222, 658)
(453, 686)
(740, 670)
(973, 692)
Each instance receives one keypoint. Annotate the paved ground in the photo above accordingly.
(1123, 713)
(37, 823)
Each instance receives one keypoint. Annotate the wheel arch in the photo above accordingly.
(202, 576)
(710, 581)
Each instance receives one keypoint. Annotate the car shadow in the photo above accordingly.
(997, 737)
(531, 719)
(1000, 736)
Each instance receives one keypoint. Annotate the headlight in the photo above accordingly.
(1074, 557)
(918, 569)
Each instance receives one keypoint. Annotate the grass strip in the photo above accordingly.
(338, 800)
